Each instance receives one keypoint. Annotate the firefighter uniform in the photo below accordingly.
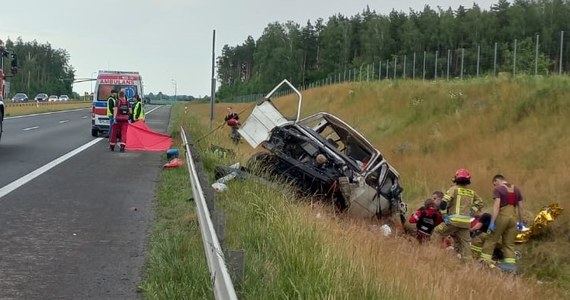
(458, 206)
(505, 225)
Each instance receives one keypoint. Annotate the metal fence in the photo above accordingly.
(514, 58)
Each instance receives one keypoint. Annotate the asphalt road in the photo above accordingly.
(79, 230)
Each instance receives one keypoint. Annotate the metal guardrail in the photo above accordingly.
(223, 286)
(35, 103)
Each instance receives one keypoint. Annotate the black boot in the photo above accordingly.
(112, 147)
(122, 148)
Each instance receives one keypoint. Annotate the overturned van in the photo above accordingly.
(323, 156)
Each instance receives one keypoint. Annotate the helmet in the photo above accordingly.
(462, 174)
(232, 122)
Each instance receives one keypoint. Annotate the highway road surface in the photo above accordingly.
(74, 216)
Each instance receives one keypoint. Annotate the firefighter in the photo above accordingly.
(121, 113)
(138, 110)
(458, 205)
(111, 100)
(426, 219)
(231, 115)
(503, 227)
(479, 227)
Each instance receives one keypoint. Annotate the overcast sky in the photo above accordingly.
(169, 40)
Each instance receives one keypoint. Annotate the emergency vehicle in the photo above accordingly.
(128, 82)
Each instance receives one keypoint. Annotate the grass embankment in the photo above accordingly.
(426, 130)
(19, 109)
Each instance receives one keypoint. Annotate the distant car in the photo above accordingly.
(64, 98)
(20, 97)
(53, 98)
(41, 97)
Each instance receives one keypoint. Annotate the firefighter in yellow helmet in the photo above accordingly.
(507, 210)
(458, 206)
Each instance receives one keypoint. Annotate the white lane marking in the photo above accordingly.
(31, 128)
(150, 111)
(63, 121)
(30, 176)
(46, 113)
(84, 117)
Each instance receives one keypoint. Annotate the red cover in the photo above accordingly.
(142, 138)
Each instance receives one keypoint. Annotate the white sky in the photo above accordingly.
(170, 40)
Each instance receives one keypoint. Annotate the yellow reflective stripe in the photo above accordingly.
(447, 198)
(460, 218)
(458, 205)
(510, 261)
(485, 256)
(477, 249)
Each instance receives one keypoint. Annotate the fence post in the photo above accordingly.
(478, 58)
(373, 73)
(387, 65)
(448, 61)
(404, 74)
(367, 73)
(495, 61)
(414, 67)
(424, 70)
(536, 57)
(435, 68)
(462, 61)
(561, 49)
(395, 65)
(380, 70)
(515, 59)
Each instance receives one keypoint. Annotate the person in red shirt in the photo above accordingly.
(426, 218)
(121, 113)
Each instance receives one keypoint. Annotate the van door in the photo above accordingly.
(264, 117)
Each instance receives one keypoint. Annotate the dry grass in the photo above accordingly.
(428, 130)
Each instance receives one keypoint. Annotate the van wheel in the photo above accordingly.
(94, 132)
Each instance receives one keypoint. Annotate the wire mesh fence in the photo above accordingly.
(518, 57)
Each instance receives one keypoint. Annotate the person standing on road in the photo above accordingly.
(138, 110)
(111, 100)
(503, 228)
(121, 113)
(458, 206)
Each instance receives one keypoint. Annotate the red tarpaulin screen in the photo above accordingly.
(142, 138)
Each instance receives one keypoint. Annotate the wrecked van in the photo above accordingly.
(323, 156)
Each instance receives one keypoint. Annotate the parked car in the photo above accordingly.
(20, 97)
(64, 98)
(41, 97)
(323, 156)
(53, 98)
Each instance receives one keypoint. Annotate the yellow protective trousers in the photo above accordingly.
(505, 233)
(477, 243)
(463, 238)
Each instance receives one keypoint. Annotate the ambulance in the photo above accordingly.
(128, 82)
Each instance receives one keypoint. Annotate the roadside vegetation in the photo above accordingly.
(20, 109)
(300, 249)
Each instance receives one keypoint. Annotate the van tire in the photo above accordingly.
(94, 132)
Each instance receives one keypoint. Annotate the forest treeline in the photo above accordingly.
(41, 69)
(309, 53)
